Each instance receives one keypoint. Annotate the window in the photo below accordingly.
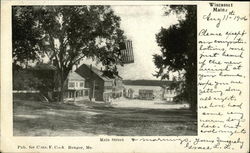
(87, 84)
(108, 87)
(81, 84)
(97, 86)
(76, 84)
(119, 83)
(80, 93)
(71, 84)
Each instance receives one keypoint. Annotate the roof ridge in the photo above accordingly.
(75, 76)
(100, 73)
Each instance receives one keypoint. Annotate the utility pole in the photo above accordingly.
(93, 88)
(92, 82)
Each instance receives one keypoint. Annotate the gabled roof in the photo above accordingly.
(101, 74)
(73, 76)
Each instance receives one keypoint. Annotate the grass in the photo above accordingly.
(33, 118)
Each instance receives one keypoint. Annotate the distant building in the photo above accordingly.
(103, 85)
(75, 88)
(149, 90)
(169, 94)
(135, 89)
(146, 94)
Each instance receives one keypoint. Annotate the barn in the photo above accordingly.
(103, 85)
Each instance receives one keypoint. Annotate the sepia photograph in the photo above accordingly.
(104, 70)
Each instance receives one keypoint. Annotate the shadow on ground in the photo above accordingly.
(33, 118)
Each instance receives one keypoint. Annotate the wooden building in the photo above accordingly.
(169, 94)
(146, 94)
(75, 88)
(103, 85)
(149, 90)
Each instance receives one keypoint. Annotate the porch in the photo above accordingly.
(76, 95)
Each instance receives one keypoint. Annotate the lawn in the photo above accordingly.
(33, 118)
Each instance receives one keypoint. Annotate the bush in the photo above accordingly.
(23, 80)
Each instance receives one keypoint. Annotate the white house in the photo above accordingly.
(75, 88)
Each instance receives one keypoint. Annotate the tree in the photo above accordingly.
(178, 46)
(24, 36)
(25, 81)
(69, 34)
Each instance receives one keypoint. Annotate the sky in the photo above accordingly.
(140, 24)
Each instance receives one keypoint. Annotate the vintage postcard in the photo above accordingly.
(124, 76)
